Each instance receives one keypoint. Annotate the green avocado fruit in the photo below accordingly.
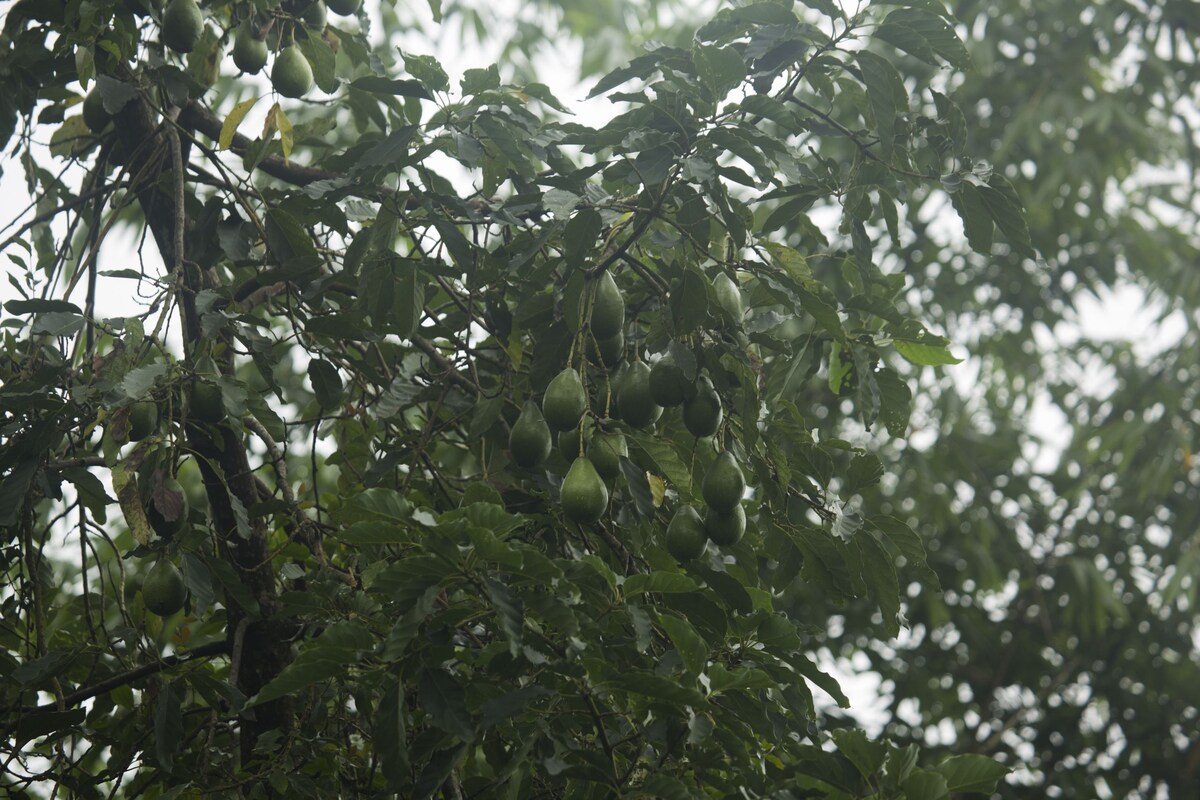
(95, 115)
(314, 15)
(205, 402)
(530, 440)
(702, 413)
(634, 398)
(724, 484)
(668, 386)
(605, 451)
(163, 591)
(608, 351)
(565, 401)
(143, 420)
(584, 495)
(182, 24)
(249, 52)
(725, 529)
(729, 298)
(344, 8)
(608, 308)
(686, 538)
(291, 74)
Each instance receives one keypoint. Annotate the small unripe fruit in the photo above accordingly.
(249, 52)
(584, 495)
(164, 591)
(565, 401)
(530, 440)
(724, 484)
(636, 402)
(95, 115)
(182, 24)
(608, 308)
(291, 75)
(685, 535)
(725, 529)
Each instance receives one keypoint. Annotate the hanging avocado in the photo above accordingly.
(568, 441)
(249, 52)
(344, 8)
(724, 484)
(609, 351)
(530, 442)
(565, 401)
(605, 451)
(636, 402)
(608, 308)
(702, 413)
(685, 535)
(584, 495)
(729, 298)
(668, 386)
(95, 115)
(163, 591)
(182, 24)
(291, 75)
(143, 420)
(314, 15)
(725, 529)
(170, 492)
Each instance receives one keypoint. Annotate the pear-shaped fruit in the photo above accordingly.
(95, 115)
(729, 298)
(610, 396)
(584, 495)
(249, 52)
(568, 441)
(175, 504)
(163, 591)
(685, 535)
(702, 413)
(637, 404)
(725, 529)
(291, 74)
(205, 402)
(314, 15)
(182, 24)
(565, 401)
(605, 451)
(608, 308)
(143, 420)
(608, 352)
(530, 442)
(344, 7)
(724, 484)
(668, 386)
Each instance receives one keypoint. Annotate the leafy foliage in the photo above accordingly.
(369, 289)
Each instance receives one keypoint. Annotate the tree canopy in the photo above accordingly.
(463, 445)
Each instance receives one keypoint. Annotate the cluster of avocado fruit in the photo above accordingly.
(641, 393)
(291, 74)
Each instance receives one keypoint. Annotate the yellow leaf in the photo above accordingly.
(125, 484)
(658, 489)
(285, 133)
(230, 126)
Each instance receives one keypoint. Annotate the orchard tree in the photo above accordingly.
(460, 448)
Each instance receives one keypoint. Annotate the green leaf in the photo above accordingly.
(168, 724)
(379, 85)
(442, 697)
(391, 734)
(926, 355)
(977, 220)
(972, 773)
(906, 540)
(924, 784)
(888, 97)
(924, 35)
(327, 657)
(1005, 207)
(867, 756)
(427, 70)
(665, 582)
(688, 643)
(233, 120)
(659, 687)
(664, 786)
(721, 68)
(879, 573)
(326, 383)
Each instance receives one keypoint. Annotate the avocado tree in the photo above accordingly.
(460, 448)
